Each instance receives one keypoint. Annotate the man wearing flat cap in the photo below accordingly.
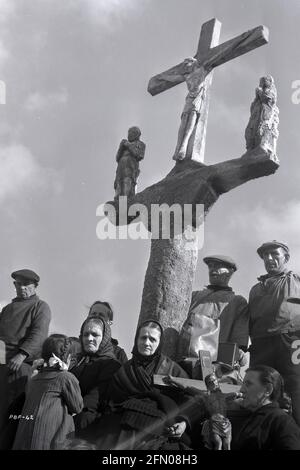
(216, 314)
(274, 322)
(24, 325)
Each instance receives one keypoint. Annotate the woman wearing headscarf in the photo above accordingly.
(101, 309)
(141, 412)
(94, 369)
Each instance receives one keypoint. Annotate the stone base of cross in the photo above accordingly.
(172, 264)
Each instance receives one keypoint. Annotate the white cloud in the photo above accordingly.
(231, 117)
(20, 172)
(110, 6)
(7, 7)
(37, 101)
(4, 53)
(95, 271)
(5, 129)
(281, 222)
(106, 12)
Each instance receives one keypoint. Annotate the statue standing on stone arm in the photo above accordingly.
(129, 154)
(262, 129)
(194, 76)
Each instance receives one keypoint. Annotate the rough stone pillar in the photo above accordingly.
(168, 286)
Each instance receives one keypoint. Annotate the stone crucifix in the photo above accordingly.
(197, 71)
(172, 264)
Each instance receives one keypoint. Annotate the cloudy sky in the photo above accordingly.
(76, 74)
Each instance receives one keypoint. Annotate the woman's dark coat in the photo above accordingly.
(268, 428)
(138, 407)
(94, 373)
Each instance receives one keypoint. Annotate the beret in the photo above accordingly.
(272, 244)
(26, 274)
(222, 259)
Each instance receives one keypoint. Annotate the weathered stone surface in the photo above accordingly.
(190, 182)
(169, 277)
(262, 129)
(168, 286)
(197, 73)
(171, 269)
(218, 55)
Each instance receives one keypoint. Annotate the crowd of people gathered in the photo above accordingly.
(60, 393)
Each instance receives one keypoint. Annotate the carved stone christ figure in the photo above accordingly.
(194, 76)
(129, 154)
(262, 128)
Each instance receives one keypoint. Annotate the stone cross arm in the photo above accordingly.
(218, 178)
(236, 47)
(211, 58)
(205, 183)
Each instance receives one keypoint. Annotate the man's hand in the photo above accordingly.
(16, 362)
(177, 429)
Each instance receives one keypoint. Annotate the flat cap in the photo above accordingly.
(222, 259)
(270, 245)
(26, 274)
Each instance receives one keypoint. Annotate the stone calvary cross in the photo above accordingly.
(209, 55)
(172, 264)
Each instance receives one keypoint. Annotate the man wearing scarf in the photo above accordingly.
(275, 319)
(216, 314)
(94, 370)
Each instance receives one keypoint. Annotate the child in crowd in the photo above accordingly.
(52, 397)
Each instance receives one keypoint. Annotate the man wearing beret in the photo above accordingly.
(275, 319)
(216, 314)
(24, 325)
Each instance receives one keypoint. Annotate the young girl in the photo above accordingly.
(52, 396)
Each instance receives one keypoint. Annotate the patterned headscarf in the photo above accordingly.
(105, 348)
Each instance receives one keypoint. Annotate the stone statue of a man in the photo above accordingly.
(129, 154)
(194, 76)
(262, 129)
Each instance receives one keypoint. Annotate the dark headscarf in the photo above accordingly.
(136, 376)
(143, 405)
(105, 348)
(145, 360)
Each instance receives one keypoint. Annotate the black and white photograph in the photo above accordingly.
(150, 222)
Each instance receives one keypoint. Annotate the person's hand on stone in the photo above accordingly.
(177, 429)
